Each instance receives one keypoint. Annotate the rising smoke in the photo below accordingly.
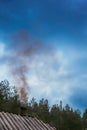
(24, 49)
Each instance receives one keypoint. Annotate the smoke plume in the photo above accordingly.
(23, 50)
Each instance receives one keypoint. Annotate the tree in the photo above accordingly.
(72, 119)
(8, 102)
(55, 116)
(33, 108)
(44, 110)
(85, 119)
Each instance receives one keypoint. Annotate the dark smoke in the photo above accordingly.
(23, 50)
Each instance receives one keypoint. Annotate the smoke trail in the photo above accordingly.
(23, 50)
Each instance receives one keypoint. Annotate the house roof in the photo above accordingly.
(9, 121)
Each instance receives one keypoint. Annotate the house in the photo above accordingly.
(9, 121)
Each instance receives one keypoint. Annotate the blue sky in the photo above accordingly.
(58, 74)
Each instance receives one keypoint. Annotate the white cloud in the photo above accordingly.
(4, 67)
(56, 76)
(51, 75)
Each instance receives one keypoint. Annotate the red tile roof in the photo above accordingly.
(9, 121)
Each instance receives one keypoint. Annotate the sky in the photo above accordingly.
(57, 66)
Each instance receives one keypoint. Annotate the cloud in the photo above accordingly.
(55, 76)
(4, 67)
(58, 77)
(49, 77)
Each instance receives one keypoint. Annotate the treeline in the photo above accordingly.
(63, 118)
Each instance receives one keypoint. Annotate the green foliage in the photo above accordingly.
(9, 101)
(85, 119)
(63, 118)
(44, 110)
